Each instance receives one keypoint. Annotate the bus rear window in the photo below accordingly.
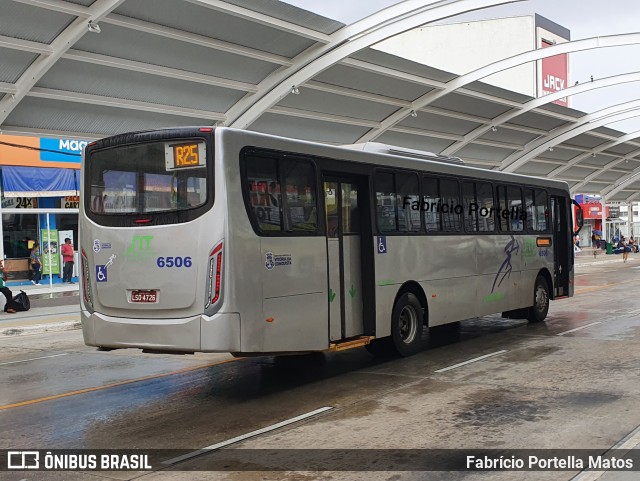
(146, 178)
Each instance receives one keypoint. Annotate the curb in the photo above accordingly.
(41, 328)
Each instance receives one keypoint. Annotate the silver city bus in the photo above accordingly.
(220, 240)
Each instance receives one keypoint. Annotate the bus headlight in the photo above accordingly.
(214, 280)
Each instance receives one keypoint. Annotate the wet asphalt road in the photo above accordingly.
(549, 389)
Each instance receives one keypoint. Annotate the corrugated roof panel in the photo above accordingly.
(290, 13)
(580, 173)
(537, 121)
(95, 79)
(397, 63)
(558, 154)
(439, 123)
(586, 141)
(511, 136)
(308, 129)
(318, 101)
(484, 152)
(419, 142)
(119, 42)
(215, 24)
(611, 176)
(540, 169)
(56, 115)
(13, 63)
(366, 81)
(470, 105)
(622, 149)
(86, 3)
(598, 161)
(19, 20)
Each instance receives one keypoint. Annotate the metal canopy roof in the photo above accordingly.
(274, 68)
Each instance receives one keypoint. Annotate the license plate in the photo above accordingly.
(144, 296)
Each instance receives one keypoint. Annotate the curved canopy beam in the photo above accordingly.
(499, 66)
(625, 181)
(601, 148)
(607, 167)
(346, 41)
(585, 124)
(63, 42)
(539, 102)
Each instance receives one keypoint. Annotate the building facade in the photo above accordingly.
(40, 180)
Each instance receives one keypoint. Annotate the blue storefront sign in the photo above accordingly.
(61, 150)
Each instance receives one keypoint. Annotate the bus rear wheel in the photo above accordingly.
(538, 311)
(407, 325)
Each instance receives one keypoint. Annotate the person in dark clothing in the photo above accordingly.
(9, 307)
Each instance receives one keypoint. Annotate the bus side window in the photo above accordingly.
(262, 175)
(450, 216)
(408, 202)
(430, 201)
(386, 202)
(301, 211)
(536, 205)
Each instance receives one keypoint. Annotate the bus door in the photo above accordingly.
(562, 245)
(345, 211)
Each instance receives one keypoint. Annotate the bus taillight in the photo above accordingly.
(215, 275)
(86, 284)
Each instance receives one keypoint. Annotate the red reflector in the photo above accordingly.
(142, 221)
(218, 270)
(91, 144)
(205, 129)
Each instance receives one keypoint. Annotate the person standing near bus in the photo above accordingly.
(67, 259)
(10, 306)
(36, 265)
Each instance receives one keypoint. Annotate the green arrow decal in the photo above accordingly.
(332, 295)
(352, 291)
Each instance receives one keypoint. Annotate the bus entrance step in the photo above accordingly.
(350, 343)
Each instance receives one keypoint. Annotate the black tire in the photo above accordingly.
(541, 295)
(407, 325)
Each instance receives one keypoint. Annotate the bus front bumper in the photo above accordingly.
(218, 333)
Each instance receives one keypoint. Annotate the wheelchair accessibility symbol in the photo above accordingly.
(101, 273)
(382, 245)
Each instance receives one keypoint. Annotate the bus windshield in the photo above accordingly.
(147, 178)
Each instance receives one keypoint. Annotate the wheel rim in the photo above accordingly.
(408, 324)
(542, 299)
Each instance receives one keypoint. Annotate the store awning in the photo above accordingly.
(37, 182)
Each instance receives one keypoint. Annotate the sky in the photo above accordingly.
(584, 19)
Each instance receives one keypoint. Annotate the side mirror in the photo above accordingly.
(579, 217)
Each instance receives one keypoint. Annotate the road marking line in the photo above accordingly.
(115, 384)
(475, 359)
(33, 359)
(627, 443)
(578, 328)
(242, 437)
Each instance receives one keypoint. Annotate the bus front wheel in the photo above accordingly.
(407, 324)
(538, 311)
